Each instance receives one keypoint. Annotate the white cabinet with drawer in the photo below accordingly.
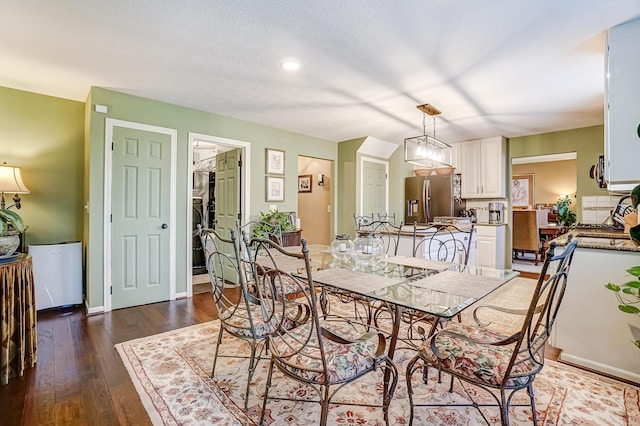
(490, 246)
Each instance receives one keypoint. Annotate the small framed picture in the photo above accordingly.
(274, 188)
(304, 183)
(274, 161)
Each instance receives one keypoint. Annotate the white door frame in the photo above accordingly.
(246, 177)
(108, 181)
(386, 184)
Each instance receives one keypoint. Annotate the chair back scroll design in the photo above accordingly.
(501, 363)
(363, 223)
(443, 242)
(326, 353)
(389, 234)
(241, 314)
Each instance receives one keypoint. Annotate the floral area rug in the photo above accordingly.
(171, 374)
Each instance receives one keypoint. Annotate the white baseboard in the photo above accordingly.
(182, 295)
(93, 311)
(598, 367)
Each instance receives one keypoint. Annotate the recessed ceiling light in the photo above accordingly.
(290, 65)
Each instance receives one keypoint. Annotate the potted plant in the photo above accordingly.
(11, 226)
(273, 217)
(628, 295)
(565, 216)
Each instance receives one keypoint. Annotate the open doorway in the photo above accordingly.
(544, 179)
(315, 195)
(202, 208)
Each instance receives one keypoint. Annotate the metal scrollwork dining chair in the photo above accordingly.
(325, 354)
(447, 243)
(243, 315)
(499, 363)
(363, 222)
(442, 243)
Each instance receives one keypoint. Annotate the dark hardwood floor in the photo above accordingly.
(79, 378)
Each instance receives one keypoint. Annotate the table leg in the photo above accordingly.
(393, 341)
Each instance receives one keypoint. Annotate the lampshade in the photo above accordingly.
(11, 180)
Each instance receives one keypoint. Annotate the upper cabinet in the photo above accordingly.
(482, 165)
(622, 115)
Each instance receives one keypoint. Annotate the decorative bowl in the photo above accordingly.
(423, 172)
(9, 244)
(445, 170)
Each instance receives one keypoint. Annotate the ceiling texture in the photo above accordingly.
(493, 67)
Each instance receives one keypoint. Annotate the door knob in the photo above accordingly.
(164, 226)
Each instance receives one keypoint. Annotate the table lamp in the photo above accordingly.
(11, 182)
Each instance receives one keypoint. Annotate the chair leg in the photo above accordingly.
(215, 356)
(504, 409)
(252, 369)
(534, 415)
(266, 393)
(324, 413)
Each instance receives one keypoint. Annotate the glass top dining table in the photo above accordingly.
(437, 288)
(432, 287)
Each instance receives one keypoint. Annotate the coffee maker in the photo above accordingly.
(495, 212)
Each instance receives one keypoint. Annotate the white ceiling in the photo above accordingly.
(493, 67)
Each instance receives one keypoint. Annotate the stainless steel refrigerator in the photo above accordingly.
(429, 196)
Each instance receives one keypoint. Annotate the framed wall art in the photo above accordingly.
(304, 183)
(274, 188)
(522, 190)
(274, 161)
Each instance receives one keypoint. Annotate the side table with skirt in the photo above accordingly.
(18, 333)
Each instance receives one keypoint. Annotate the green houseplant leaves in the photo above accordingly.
(10, 221)
(628, 295)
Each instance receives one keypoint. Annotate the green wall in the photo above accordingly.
(587, 142)
(349, 162)
(185, 120)
(44, 136)
(347, 185)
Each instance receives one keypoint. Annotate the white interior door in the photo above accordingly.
(141, 217)
(228, 196)
(374, 193)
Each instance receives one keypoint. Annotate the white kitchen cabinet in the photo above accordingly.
(622, 117)
(590, 329)
(490, 246)
(482, 164)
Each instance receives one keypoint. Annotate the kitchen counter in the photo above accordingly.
(600, 238)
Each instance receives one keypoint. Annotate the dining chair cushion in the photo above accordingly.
(344, 361)
(238, 323)
(472, 355)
